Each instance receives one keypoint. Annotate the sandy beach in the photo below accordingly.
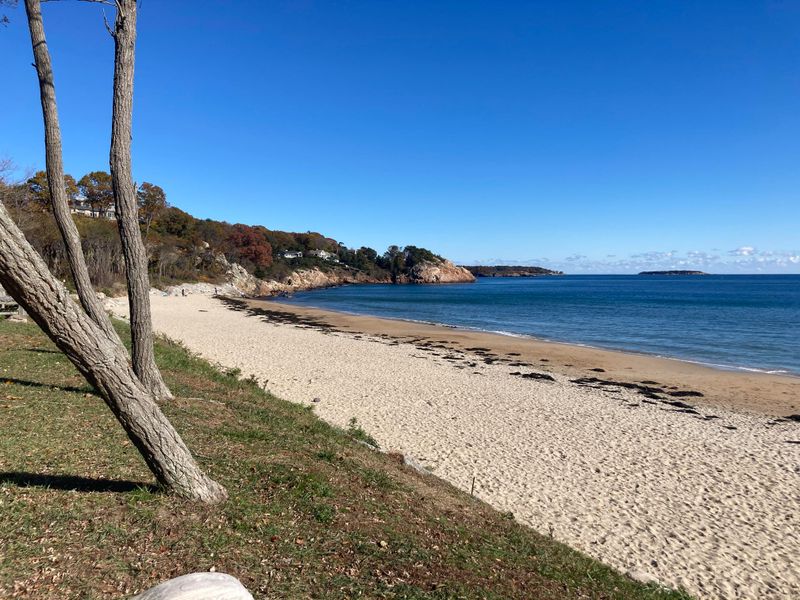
(666, 470)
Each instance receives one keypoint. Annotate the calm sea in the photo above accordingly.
(730, 321)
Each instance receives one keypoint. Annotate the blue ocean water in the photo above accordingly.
(729, 321)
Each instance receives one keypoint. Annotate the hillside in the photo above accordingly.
(312, 513)
(183, 248)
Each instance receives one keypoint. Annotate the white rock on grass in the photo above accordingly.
(198, 586)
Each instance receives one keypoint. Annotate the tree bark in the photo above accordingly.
(55, 173)
(144, 363)
(104, 363)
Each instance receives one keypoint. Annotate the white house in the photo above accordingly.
(322, 254)
(80, 206)
(293, 254)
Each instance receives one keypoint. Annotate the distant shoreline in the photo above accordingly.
(509, 271)
(673, 273)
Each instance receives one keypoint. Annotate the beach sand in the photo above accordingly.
(652, 478)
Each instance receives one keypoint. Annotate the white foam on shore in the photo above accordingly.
(643, 488)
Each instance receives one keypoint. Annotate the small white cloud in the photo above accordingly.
(743, 251)
(746, 259)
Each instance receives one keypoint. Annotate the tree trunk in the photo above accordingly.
(104, 363)
(55, 173)
(144, 363)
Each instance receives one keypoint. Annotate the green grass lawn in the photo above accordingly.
(312, 513)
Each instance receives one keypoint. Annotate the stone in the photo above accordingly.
(642, 577)
(198, 586)
(413, 463)
(443, 272)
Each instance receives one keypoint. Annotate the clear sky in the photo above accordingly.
(598, 136)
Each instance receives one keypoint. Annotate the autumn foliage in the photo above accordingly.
(250, 245)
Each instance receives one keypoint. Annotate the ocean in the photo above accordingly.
(748, 322)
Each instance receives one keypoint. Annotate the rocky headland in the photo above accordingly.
(240, 282)
(443, 271)
(510, 271)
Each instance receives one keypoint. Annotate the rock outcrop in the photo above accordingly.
(239, 282)
(308, 279)
(436, 272)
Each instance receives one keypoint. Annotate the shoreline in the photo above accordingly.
(774, 394)
(524, 336)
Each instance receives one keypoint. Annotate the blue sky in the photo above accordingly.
(588, 136)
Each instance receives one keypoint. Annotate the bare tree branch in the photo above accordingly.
(107, 24)
(89, 1)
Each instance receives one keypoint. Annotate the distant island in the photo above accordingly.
(673, 273)
(510, 271)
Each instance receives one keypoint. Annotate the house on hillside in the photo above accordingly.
(81, 206)
(324, 255)
(292, 254)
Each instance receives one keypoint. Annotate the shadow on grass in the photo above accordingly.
(66, 388)
(74, 483)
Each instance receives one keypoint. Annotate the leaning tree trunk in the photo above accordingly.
(55, 173)
(144, 363)
(104, 363)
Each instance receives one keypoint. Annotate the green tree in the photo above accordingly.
(39, 191)
(152, 201)
(174, 221)
(415, 256)
(368, 253)
(393, 260)
(96, 188)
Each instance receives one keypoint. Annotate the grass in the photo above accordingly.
(356, 432)
(312, 513)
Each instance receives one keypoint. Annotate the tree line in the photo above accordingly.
(93, 190)
(179, 246)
